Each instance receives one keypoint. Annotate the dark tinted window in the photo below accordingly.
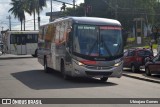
(131, 53)
(126, 53)
(13, 39)
(32, 38)
(145, 53)
(24, 38)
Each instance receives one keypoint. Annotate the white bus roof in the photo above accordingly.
(90, 21)
(22, 32)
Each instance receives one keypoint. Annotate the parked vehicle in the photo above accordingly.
(82, 47)
(1, 47)
(153, 66)
(20, 42)
(135, 58)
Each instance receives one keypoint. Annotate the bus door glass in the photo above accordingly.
(31, 43)
(21, 44)
(13, 44)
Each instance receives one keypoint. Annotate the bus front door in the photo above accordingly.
(21, 45)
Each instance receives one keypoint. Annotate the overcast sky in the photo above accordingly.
(5, 6)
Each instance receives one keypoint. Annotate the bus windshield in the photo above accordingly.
(102, 41)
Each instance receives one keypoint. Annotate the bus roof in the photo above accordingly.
(22, 32)
(91, 21)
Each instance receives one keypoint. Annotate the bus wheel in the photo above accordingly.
(65, 76)
(46, 68)
(35, 54)
(148, 73)
(104, 79)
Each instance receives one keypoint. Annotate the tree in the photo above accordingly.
(35, 6)
(18, 10)
(19, 7)
(79, 11)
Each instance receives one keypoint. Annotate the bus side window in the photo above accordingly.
(57, 34)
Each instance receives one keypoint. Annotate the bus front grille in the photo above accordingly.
(91, 73)
(99, 68)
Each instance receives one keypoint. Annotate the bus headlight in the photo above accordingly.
(80, 63)
(117, 64)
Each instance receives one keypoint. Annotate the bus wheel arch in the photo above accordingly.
(35, 53)
(104, 79)
(46, 68)
(62, 69)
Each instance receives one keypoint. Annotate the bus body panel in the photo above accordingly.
(56, 53)
(31, 48)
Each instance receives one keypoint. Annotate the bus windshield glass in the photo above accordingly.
(102, 41)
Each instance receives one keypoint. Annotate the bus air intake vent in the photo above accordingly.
(91, 73)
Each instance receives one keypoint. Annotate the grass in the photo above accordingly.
(130, 39)
(154, 46)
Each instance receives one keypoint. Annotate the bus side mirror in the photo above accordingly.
(68, 40)
(67, 48)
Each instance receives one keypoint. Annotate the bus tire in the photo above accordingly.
(148, 73)
(104, 79)
(65, 76)
(35, 54)
(46, 68)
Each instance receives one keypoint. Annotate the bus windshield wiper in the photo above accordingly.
(90, 51)
(106, 47)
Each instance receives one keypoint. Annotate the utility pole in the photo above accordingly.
(38, 16)
(51, 11)
(2, 28)
(9, 17)
(74, 8)
(116, 16)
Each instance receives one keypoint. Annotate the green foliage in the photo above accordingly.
(79, 11)
(130, 39)
(154, 46)
(123, 10)
(19, 7)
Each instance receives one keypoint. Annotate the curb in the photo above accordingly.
(144, 79)
(8, 57)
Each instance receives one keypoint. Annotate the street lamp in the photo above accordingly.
(38, 16)
(4, 24)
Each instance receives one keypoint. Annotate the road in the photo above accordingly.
(23, 77)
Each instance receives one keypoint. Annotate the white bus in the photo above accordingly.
(20, 42)
(82, 47)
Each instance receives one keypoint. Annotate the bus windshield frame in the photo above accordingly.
(94, 41)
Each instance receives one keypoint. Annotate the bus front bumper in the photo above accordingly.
(94, 71)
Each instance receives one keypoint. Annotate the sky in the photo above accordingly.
(5, 6)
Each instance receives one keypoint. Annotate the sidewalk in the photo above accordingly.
(10, 56)
(142, 76)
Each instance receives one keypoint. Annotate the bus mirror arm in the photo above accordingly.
(67, 48)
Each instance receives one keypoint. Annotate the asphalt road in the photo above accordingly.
(23, 77)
